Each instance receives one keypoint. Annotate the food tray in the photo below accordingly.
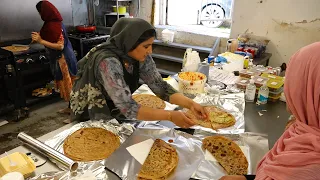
(271, 76)
(276, 94)
(248, 73)
(242, 83)
(259, 81)
(274, 85)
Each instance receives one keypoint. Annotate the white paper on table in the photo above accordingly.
(144, 89)
(209, 157)
(141, 150)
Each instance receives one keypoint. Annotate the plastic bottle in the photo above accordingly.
(250, 91)
(263, 94)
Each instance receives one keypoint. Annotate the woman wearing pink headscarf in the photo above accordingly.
(296, 154)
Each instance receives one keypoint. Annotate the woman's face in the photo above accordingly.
(142, 50)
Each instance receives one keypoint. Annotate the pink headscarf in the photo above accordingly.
(296, 155)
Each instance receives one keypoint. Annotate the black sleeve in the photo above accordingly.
(250, 177)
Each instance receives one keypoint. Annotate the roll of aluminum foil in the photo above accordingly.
(48, 151)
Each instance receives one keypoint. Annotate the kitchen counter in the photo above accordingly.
(272, 122)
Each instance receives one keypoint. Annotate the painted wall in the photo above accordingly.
(289, 24)
(79, 12)
(18, 18)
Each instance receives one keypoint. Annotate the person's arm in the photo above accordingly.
(150, 75)
(238, 177)
(59, 45)
(111, 77)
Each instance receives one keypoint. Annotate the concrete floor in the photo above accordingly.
(43, 119)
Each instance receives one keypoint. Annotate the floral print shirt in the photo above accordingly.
(111, 76)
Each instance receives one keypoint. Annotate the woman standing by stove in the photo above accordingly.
(53, 36)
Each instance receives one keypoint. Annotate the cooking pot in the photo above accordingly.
(86, 28)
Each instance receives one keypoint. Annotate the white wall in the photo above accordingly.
(289, 24)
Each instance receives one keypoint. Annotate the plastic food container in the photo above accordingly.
(271, 76)
(242, 83)
(191, 82)
(259, 81)
(276, 94)
(274, 85)
(23, 164)
(274, 99)
(248, 73)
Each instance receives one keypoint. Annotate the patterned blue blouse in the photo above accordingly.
(111, 76)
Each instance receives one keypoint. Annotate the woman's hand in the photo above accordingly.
(233, 177)
(198, 110)
(181, 119)
(36, 37)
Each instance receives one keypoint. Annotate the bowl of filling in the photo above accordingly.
(191, 82)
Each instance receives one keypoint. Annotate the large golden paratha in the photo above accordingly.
(218, 118)
(227, 153)
(160, 163)
(16, 48)
(149, 100)
(90, 144)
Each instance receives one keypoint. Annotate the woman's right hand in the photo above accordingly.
(181, 119)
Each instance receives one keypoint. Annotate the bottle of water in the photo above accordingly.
(250, 91)
(263, 94)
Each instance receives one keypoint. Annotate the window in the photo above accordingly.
(199, 15)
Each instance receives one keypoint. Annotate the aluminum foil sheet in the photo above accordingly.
(232, 103)
(94, 171)
(123, 130)
(188, 147)
(253, 145)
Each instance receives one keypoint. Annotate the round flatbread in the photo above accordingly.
(149, 100)
(227, 153)
(160, 163)
(218, 118)
(16, 48)
(90, 144)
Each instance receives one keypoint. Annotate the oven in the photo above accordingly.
(20, 74)
(111, 18)
(82, 43)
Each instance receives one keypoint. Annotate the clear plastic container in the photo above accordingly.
(22, 164)
(274, 85)
(276, 94)
(242, 83)
(248, 73)
(259, 81)
(271, 76)
(274, 99)
(191, 82)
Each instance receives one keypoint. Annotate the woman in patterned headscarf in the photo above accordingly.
(53, 36)
(110, 72)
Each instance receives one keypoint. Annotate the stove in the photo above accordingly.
(82, 43)
(20, 74)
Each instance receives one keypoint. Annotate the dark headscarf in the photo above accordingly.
(51, 29)
(124, 35)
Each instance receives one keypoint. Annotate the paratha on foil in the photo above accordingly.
(160, 163)
(90, 144)
(149, 100)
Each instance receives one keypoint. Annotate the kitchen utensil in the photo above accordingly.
(86, 28)
(11, 162)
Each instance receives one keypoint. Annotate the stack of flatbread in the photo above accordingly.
(160, 163)
(218, 118)
(90, 144)
(16, 48)
(227, 153)
(149, 100)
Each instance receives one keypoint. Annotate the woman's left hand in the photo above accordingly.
(198, 110)
(36, 37)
